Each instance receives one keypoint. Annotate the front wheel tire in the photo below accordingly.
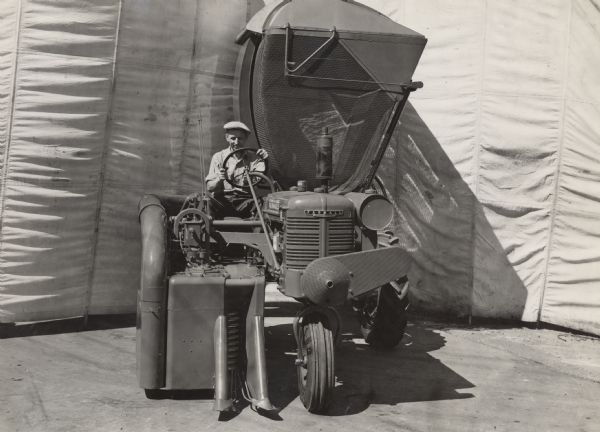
(316, 367)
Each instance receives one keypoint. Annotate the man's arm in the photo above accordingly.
(214, 179)
(258, 164)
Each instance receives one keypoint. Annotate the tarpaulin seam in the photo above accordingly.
(190, 96)
(103, 160)
(558, 170)
(8, 139)
(477, 150)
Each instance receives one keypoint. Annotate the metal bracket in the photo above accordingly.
(288, 63)
(404, 88)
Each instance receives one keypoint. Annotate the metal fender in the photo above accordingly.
(328, 280)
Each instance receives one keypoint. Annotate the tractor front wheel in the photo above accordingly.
(315, 366)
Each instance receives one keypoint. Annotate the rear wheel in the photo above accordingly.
(382, 315)
(315, 367)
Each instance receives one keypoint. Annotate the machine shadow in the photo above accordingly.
(70, 325)
(460, 266)
(408, 373)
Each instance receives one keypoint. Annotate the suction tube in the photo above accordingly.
(151, 314)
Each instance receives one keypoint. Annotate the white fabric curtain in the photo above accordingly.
(493, 171)
(496, 168)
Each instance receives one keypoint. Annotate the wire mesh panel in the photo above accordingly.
(331, 90)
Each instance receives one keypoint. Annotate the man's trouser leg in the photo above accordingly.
(230, 205)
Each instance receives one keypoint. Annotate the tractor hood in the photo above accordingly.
(308, 67)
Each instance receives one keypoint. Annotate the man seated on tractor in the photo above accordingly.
(227, 199)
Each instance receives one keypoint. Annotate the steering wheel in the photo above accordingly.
(239, 180)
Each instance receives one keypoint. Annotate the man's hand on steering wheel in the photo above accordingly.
(262, 153)
(238, 181)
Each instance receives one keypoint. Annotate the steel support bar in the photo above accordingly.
(385, 139)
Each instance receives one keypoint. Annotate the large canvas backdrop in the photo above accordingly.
(493, 171)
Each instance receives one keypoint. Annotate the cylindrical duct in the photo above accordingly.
(151, 315)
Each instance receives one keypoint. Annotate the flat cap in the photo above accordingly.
(236, 125)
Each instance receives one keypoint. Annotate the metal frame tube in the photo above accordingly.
(256, 373)
(222, 388)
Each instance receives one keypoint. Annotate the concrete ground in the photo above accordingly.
(443, 377)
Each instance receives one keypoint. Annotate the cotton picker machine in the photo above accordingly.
(323, 88)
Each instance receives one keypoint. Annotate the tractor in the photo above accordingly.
(323, 88)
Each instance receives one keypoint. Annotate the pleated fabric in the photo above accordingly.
(493, 171)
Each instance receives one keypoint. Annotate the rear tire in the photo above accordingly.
(316, 373)
(382, 315)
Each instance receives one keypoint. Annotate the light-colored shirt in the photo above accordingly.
(235, 167)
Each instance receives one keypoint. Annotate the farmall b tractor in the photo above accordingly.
(323, 88)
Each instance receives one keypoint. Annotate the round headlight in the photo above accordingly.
(374, 211)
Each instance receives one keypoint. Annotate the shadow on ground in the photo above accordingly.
(70, 325)
(408, 373)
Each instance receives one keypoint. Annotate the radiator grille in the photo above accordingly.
(304, 236)
(302, 241)
(340, 236)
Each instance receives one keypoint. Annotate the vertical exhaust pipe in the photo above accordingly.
(223, 400)
(256, 373)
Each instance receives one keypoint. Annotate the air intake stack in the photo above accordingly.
(324, 159)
